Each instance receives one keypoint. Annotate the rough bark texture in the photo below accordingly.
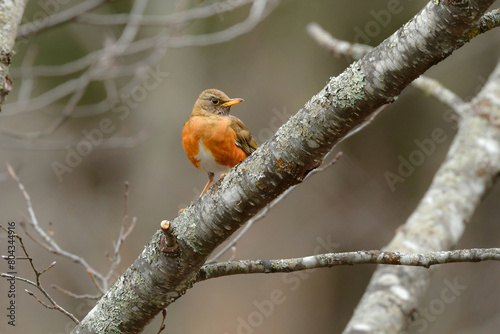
(469, 170)
(11, 12)
(158, 278)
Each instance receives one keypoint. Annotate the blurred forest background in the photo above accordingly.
(276, 68)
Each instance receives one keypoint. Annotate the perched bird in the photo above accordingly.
(215, 141)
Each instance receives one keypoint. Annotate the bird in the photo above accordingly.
(214, 140)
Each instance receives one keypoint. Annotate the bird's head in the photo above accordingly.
(214, 102)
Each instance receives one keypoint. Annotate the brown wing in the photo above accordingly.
(244, 138)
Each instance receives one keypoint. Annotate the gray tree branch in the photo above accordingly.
(329, 260)
(163, 273)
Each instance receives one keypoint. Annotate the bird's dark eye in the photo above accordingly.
(215, 101)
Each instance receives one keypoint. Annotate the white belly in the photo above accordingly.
(207, 161)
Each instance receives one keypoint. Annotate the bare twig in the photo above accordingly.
(49, 241)
(115, 258)
(124, 233)
(100, 281)
(356, 51)
(106, 143)
(27, 82)
(35, 240)
(444, 95)
(92, 73)
(217, 8)
(259, 10)
(58, 18)
(99, 284)
(335, 46)
(18, 278)
(52, 303)
(221, 269)
(162, 326)
(74, 295)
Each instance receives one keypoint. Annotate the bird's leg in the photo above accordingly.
(210, 180)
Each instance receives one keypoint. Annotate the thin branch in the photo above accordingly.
(74, 295)
(43, 100)
(127, 36)
(18, 278)
(100, 281)
(91, 58)
(106, 143)
(115, 258)
(258, 12)
(336, 47)
(329, 260)
(98, 284)
(35, 240)
(48, 240)
(162, 325)
(438, 91)
(27, 82)
(56, 19)
(124, 233)
(93, 72)
(217, 8)
(53, 304)
(132, 26)
(44, 304)
(65, 114)
(356, 51)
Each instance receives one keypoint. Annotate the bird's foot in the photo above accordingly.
(182, 210)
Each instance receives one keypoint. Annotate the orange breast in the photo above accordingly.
(214, 135)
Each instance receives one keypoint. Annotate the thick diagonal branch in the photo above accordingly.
(158, 278)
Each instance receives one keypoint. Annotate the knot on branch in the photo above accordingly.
(168, 241)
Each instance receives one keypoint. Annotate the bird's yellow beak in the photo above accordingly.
(232, 102)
